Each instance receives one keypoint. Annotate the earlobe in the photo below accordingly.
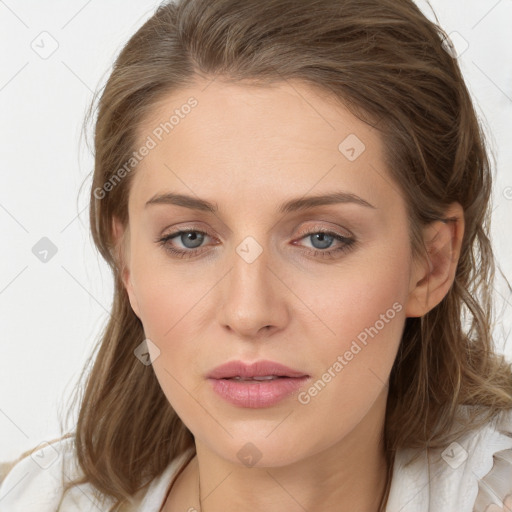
(432, 279)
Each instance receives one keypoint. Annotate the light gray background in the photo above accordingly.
(52, 313)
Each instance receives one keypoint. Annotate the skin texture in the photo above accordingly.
(248, 150)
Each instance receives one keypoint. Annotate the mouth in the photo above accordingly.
(259, 371)
(258, 385)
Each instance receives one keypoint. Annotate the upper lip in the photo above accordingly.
(256, 369)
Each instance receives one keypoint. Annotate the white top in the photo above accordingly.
(467, 476)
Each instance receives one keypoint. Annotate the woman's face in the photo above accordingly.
(263, 282)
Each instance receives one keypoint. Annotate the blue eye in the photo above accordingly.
(325, 240)
(192, 240)
(193, 237)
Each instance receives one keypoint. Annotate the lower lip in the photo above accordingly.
(257, 394)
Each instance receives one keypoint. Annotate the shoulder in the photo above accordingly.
(495, 486)
(469, 475)
(36, 482)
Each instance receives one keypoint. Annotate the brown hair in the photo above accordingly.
(389, 65)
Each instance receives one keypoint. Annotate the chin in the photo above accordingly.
(258, 451)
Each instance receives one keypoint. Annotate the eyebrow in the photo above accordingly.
(293, 205)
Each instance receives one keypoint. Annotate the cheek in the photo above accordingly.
(364, 310)
(165, 295)
(372, 292)
(172, 310)
(170, 306)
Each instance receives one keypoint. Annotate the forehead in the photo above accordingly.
(215, 137)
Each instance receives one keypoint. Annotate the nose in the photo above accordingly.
(252, 298)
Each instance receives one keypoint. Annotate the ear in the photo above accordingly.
(121, 235)
(432, 279)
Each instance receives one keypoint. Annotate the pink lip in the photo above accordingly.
(256, 369)
(255, 394)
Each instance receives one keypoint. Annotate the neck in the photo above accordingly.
(285, 488)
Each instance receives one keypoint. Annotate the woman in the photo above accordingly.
(294, 200)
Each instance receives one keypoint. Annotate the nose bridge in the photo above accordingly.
(250, 298)
(250, 267)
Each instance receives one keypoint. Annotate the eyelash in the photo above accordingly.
(348, 244)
